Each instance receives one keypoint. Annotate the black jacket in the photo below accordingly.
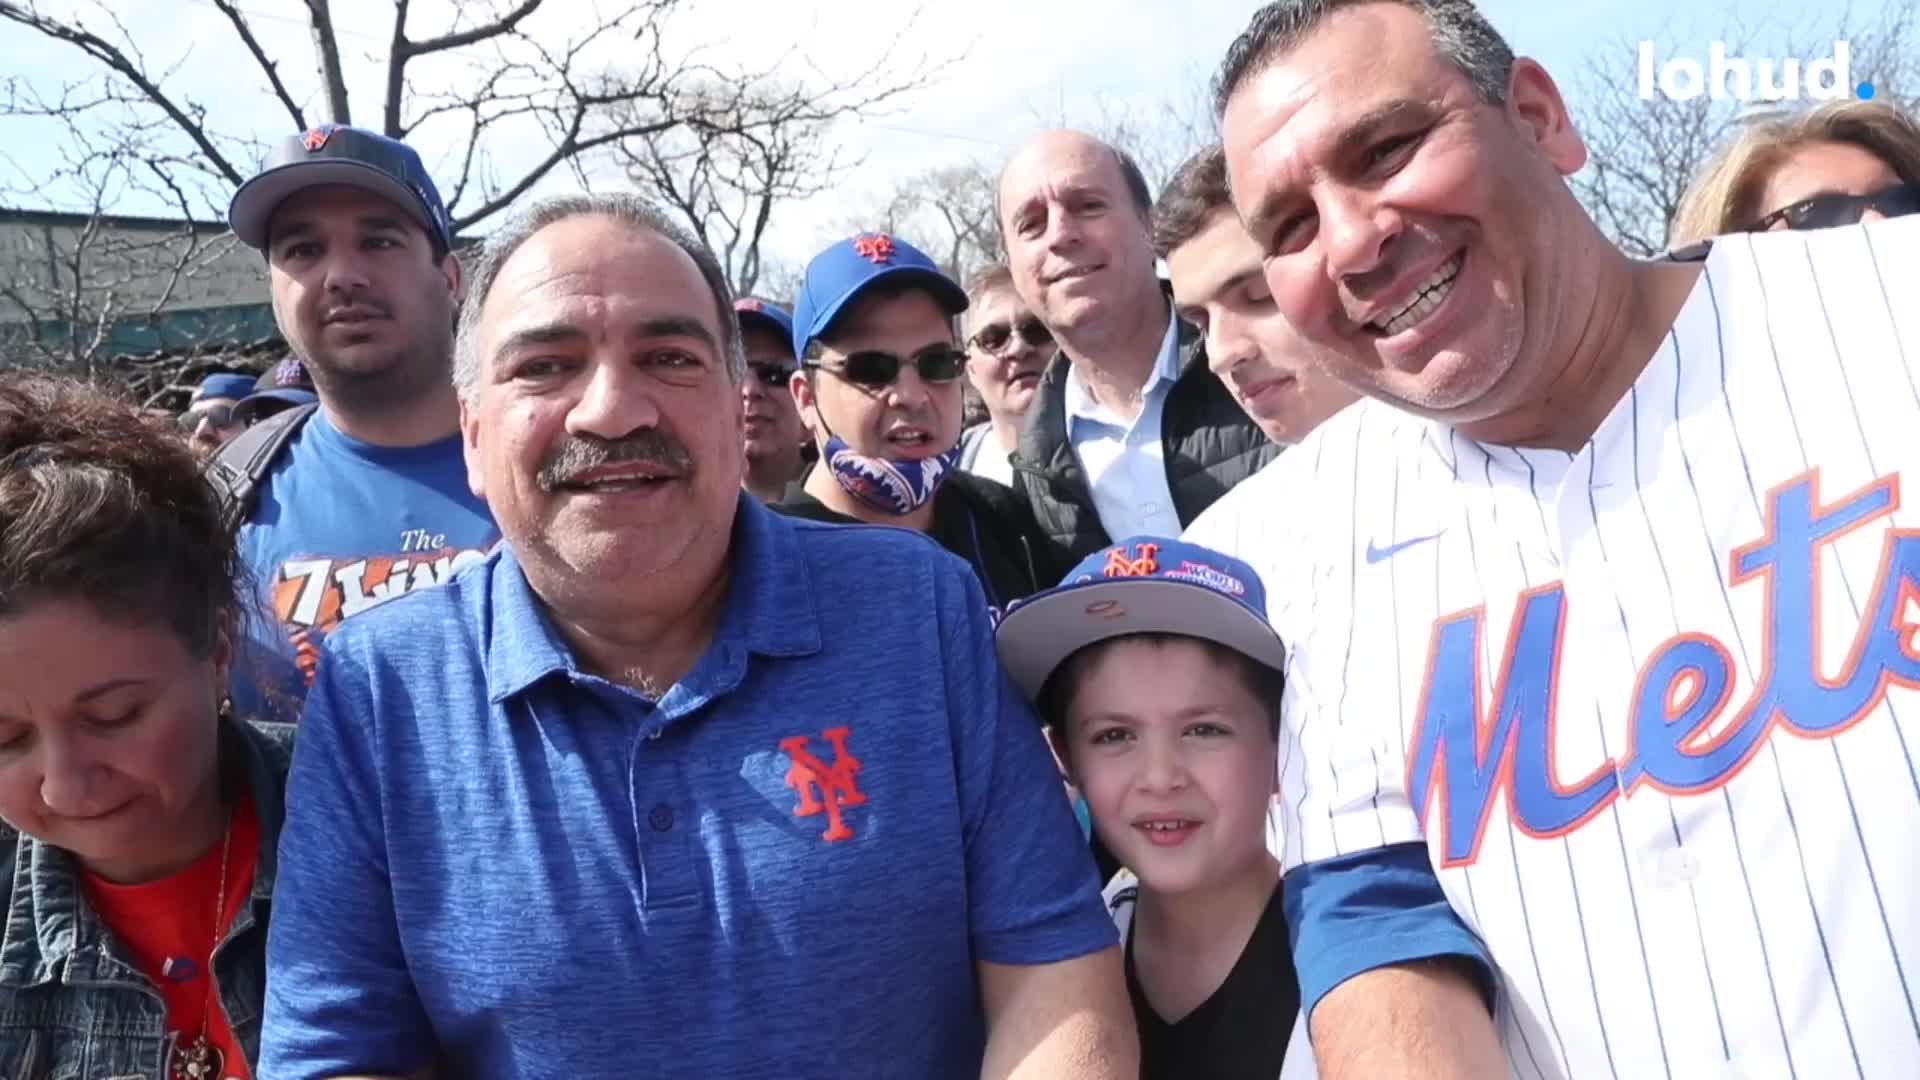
(981, 521)
(1211, 444)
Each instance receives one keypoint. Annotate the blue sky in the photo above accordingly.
(1026, 63)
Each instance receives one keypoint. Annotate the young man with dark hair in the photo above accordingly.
(1215, 269)
(880, 387)
(365, 497)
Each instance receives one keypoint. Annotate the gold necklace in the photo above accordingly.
(200, 1059)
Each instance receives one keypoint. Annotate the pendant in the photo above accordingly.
(179, 969)
(198, 1060)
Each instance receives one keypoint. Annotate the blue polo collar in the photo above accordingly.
(769, 609)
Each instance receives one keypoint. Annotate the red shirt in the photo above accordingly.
(172, 919)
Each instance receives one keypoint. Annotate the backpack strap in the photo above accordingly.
(238, 469)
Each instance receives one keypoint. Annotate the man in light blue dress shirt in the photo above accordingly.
(1129, 432)
(1124, 458)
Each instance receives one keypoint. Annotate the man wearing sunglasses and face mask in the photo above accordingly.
(880, 387)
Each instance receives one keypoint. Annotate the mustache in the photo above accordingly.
(358, 302)
(583, 453)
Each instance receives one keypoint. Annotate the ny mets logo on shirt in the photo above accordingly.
(825, 788)
(1468, 750)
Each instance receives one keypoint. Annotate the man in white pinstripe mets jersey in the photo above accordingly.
(1604, 609)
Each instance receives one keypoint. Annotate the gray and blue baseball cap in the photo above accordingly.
(1144, 584)
(281, 386)
(337, 154)
(842, 272)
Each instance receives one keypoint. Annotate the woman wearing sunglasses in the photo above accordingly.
(141, 818)
(880, 387)
(1839, 163)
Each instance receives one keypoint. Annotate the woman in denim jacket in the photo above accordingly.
(141, 816)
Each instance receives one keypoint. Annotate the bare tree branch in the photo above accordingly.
(500, 94)
(1644, 154)
(326, 54)
(267, 65)
(504, 25)
(125, 66)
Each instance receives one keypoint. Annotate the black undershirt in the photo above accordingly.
(1240, 1032)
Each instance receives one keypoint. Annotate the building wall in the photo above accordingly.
(126, 266)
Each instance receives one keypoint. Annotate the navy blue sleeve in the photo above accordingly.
(1353, 913)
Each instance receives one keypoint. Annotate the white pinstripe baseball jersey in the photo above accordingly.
(1650, 705)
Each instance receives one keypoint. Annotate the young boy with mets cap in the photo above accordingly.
(1159, 680)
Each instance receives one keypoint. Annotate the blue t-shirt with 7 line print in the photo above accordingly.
(339, 527)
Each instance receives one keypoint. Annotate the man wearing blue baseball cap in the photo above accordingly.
(881, 388)
(775, 436)
(208, 420)
(362, 497)
(285, 385)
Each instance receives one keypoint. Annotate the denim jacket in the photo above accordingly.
(74, 1005)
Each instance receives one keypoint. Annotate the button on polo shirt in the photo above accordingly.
(788, 866)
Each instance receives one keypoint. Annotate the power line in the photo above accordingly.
(294, 20)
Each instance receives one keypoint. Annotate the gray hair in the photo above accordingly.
(624, 207)
(1460, 34)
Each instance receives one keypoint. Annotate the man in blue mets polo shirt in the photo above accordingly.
(671, 785)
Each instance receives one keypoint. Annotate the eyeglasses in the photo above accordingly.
(1832, 208)
(776, 376)
(875, 370)
(993, 337)
(220, 416)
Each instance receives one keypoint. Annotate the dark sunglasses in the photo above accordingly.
(874, 369)
(776, 376)
(1831, 209)
(220, 416)
(994, 336)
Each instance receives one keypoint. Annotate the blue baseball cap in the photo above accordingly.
(224, 386)
(845, 270)
(281, 386)
(337, 154)
(1142, 585)
(773, 317)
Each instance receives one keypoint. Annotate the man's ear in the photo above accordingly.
(800, 384)
(456, 277)
(1535, 104)
(470, 447)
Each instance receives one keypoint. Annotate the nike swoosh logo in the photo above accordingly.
(1381, 554)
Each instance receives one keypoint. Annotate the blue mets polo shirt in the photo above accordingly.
(498, 864)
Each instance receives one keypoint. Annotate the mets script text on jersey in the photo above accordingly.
(1467, 753)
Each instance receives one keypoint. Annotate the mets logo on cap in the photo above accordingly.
(317, 137)
(874, 247)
